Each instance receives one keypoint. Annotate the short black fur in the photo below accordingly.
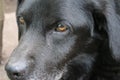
(87, 50)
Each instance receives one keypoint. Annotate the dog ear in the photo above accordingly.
(107, 27)
(113, 23)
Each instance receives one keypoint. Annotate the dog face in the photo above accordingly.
(56, 37)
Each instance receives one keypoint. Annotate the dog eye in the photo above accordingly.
(21, 20)
(61, 28)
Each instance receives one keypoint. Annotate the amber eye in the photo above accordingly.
(21, 20)
(61, 28)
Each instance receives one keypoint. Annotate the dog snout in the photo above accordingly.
(16, 70)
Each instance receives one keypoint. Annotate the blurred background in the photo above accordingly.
(9, 34)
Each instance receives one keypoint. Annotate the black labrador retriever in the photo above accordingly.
(67, 40)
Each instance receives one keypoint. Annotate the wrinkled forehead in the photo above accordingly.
(63, 9)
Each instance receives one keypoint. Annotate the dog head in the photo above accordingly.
(55, 35)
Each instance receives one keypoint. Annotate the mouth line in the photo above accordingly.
(53, 76)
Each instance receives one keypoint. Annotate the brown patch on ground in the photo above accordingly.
(9, 34)
(10, 5)
(9, 40)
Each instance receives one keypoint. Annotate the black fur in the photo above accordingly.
(88, 50)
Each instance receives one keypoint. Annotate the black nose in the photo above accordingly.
(15, 71)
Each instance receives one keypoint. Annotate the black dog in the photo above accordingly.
(67, 40)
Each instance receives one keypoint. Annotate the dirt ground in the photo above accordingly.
(9, 34)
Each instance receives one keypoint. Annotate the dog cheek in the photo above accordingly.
(60, 49)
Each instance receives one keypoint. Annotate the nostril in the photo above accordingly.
(15, 71)
(17, 75)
